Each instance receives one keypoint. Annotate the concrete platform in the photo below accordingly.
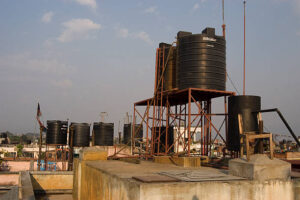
(179, 161)
(261, 168)
(93, 153)
(115, 180)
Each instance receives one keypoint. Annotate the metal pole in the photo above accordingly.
(189, 121)
(226, 119)
(156, 71)
(70, 165)
(178, 127)
(283, 120)
(40, 149)
(244, 81)
(167, 125)
(147, 130)
(133, 131)
(210, 124)
(45, 160)
(223, 17)
(153, 131)
(202, 129)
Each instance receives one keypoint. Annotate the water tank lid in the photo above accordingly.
(210, 32)
(183, 33)
(162, 44)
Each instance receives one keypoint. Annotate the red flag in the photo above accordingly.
(38, 113)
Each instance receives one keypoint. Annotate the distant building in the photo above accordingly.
(31, 151)
(181, 133)
(3, 138)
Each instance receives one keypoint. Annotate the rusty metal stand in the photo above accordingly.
(70, 158)
(174, 111)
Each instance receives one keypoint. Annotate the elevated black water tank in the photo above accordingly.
(243, 105)
(81, 134)
(168, 60)
(202, 60)
(56, 132)
(127, 133)
(163, 137)
(103, 134)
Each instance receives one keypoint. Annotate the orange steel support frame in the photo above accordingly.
(184, 118)
(181, 110)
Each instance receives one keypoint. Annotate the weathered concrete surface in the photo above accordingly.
(123, 150)
(297, 189)
(9, 179)
(93, 153)
(113, 180)
(99, 185)
(48, 181)
(79, 168)
(288, 155)
(179, 161)
(260, 167)
(12, 194)
(241, 190)
(54, 197)
(27, 192)
(76, 178)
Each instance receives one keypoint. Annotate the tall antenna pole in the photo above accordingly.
(224, 27)
(223, 17)
(244, 82)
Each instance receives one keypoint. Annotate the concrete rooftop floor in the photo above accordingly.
(127, 170)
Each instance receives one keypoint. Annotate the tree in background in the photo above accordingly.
(20, 150)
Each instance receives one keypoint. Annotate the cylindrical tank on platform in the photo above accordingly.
(81, 134)
(244, 105)
(169, 137)
(103, 134)
(202, 60)
(127, 133)
(56, 132)
(168, 60)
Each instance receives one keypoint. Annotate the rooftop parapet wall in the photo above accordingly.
(236, 190)
(50, 181)
(113, 180)
(9, 179)
(80, 172)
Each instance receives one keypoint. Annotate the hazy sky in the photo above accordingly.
(81, 57)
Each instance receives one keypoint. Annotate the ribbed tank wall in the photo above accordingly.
(81, 134)
(168, 60)
(163, 137)
(56, 132)
(202, 60)
(127, 133)
(243, 105)
(103, 134)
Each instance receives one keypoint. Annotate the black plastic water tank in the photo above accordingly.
(243, 105)
(103, 134)
(127, 132)
(56, 132)
(202, 60)
(163, 137)
(81, 134)
(3, 135)
(168, 60)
